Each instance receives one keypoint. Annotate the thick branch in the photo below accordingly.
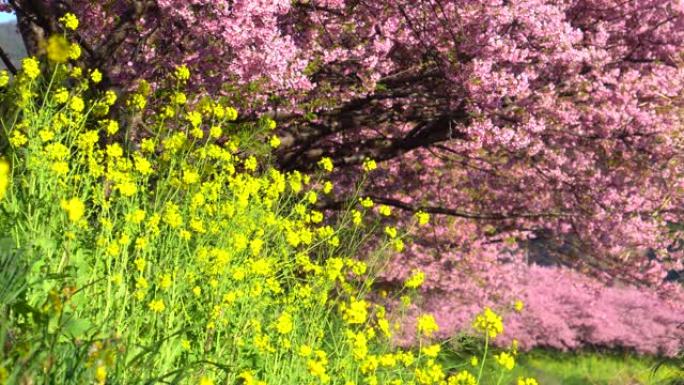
(8, 62)
(450, 212)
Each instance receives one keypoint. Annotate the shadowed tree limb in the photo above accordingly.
(7, 61)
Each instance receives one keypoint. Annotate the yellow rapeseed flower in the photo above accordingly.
(31, 67)
(77, 104)
(427, 325)
(58, 49)
(326, 164)
(96, 76)
(462, 378)
(391, 231)
(431, 350)
(69, 20)
(4, 177)
(356, 312)
(415, 279)
(506, 360)
(157, 305)
(527, 381)
(284, 324)
(518, 306)
(327, 187)
(369, 165)
(182, 73)
(74, 51)
(4, 78)
(366, 202)
(75, 209)
(61, 96)
(423, 218)
(101, 374)
(488, 322)
(385, 210)
(110, 97)
(215, 132)
(274, 141)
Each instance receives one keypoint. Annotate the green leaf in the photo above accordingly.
(76, 327)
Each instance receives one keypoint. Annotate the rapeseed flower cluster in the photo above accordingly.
(185, 250)
(489, 323)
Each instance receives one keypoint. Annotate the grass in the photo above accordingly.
(589, 368)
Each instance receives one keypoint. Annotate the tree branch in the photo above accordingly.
(8, 62)
(336, 205)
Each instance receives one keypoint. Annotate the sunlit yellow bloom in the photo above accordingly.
(215, 132)
(197, 133)
(206, 381)
(284, 323)
(326, 164)
(369, 165)
(250, 163)
(96, 76)
(462, 378)
(194, 117)
(274, 141)
(58, 49)
(61, 95)
(76, 72)
(74, 51)
(31, 67)
(356, 312)
(76, 104)
(506, 360)
(427, 325)
(431, 350)
(518, 306)
(182, 72)
(110, 97)
(327, 187)
(111, 127)
(4, 177)
(366, 202)
(147, 145)
(69, 20)
(391, 231)
(157, 305)
(415, 280)
(165, 281)
(75, 209)
(527, 381)
(488, 322)
(231, 114)
(385, 210)
(4, 78)
(101, 374)
(423, 218)
(270, 124)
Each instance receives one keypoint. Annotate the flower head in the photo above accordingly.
(369, 165)
(75, 209)
(415, 280)
(70, 21)
(488, 322)
(427, 325)
(58, 49)
(505, 360)
(4, 177)
(31, 67)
